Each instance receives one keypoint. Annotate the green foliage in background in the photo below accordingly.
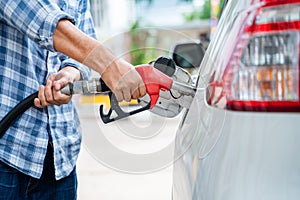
(199, 14)
(220, 6)
(205, 13)
(139, 39)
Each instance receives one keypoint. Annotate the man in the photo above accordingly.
(39, 151)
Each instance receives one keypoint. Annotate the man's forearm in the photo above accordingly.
(69, 40)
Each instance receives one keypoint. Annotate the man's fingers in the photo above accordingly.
(136, 94)
(139, 92)
(60, 81)
(48, 91)
(52, 77)
(131, 85)
(127, 94)
(60, 98)
(41, 96)
(37, 103)
(142, 90)
(119, 96)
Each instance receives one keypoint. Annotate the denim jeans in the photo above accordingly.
(15, 185)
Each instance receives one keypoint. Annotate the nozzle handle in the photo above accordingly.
(154, 81)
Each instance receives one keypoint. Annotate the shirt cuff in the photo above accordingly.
(48, 27)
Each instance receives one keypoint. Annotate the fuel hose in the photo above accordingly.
(28, 102)
(14, 113)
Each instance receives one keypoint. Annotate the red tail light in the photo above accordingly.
(263, 72)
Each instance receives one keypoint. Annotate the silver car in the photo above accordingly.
(240, 139)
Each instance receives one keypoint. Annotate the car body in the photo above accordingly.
(240, 139)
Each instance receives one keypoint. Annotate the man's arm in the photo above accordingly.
(116, 73)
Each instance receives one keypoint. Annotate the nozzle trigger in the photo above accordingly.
(114, 106)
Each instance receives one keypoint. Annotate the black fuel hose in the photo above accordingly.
(14, 113)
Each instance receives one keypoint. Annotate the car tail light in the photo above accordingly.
(263, 72)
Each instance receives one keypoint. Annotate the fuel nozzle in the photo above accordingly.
(181, 94)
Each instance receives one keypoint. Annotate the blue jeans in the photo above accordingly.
(15, 185)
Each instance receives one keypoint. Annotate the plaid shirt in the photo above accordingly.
(27, 58)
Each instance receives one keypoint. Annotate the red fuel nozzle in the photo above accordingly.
(154, 81)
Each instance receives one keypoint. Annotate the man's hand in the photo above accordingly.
(124, 81)
(50, 93)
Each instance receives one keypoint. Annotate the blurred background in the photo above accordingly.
(142, 30)
(139, 31)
